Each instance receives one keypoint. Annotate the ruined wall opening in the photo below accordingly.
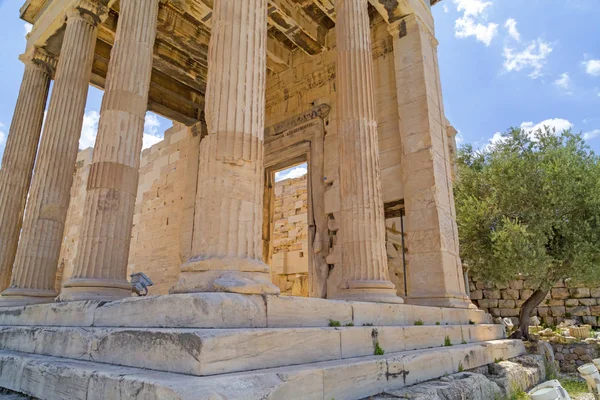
(289, 245)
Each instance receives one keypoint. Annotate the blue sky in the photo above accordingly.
(507, 63)
(503, 63)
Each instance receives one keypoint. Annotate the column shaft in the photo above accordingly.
(434, 274)
(39, 247)
(19, 159)
(364, 259)
(101, 266)
(227, 249)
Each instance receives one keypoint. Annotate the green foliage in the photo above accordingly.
(460, 367)
(437, 323)
(497, 360)
(573, 386)
(349, 324)
(471, 322)
(378, 350)
(463, 342)
(419, 322)
(530, 204)
(367, 324)
(447, 341)
(333, 322)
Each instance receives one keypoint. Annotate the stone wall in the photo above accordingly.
(289, 255)
(565, 301)
(162, 224)
(68, 250)
(571, 356)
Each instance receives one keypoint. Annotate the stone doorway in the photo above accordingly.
(299, 141)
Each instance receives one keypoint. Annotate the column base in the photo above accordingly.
(369, 291)
(229, 274)
(445, 301)
(94, 289)
(16, 297)
(374, 296)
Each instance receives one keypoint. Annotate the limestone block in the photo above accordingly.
(482, 333)
(510, 294)
(558, 311)
(560, 293)
(595, 292)
(361, 341)
(506, 303)
(456, 316)
(31, 315)
(509, 312)
(77, 313)
(58, 342)
(580, 293)
(423, 366)
(488, 303)
(199, 310)
(361, 379)
(492, 294)
(429, 315)
(301, 311)
(579, 311)
(380, 314)
(516, 284)
(543, 311)
(526, 293)
(463, 385)
(571, 302)
(595, 311)
(555, 303)
(476, 294)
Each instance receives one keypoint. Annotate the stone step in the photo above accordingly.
(228, 310)
(216, 351)
(53, 378)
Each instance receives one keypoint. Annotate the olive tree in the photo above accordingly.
(529, 204)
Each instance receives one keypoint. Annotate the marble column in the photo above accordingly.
(434, 271)
(362, 227)
(34, 270)
(19, 154)
(226, 248)
(100, 271)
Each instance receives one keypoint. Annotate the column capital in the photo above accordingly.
(90, 11)
(40, 58)
(399, 29)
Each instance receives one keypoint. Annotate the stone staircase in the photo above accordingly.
(228, 346)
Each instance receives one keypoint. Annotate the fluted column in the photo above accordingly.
(100, 271)
(39, 246)
(364, 260)
(227, 250)
(434, 272)
(19, 154)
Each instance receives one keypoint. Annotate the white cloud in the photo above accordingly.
(460, 139)
(532, 57)
(558, 124)
(28, 27)
(3, 135)
(591, 134)
(564, 82)
(151, 135)
(446, 9)
(592, 67)
(511, 25)
(291, 173)
(473, 22)
(90, 130)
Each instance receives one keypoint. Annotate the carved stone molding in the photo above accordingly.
(399, 29)
(41, 58)
(89, 10)
(320, 111)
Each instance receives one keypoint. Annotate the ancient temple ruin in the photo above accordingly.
(351, 88)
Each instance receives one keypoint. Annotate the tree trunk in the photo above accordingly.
(525, 314)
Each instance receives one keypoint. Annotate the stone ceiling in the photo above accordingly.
(180, 66)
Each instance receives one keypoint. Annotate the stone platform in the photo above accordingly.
(228, 346)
